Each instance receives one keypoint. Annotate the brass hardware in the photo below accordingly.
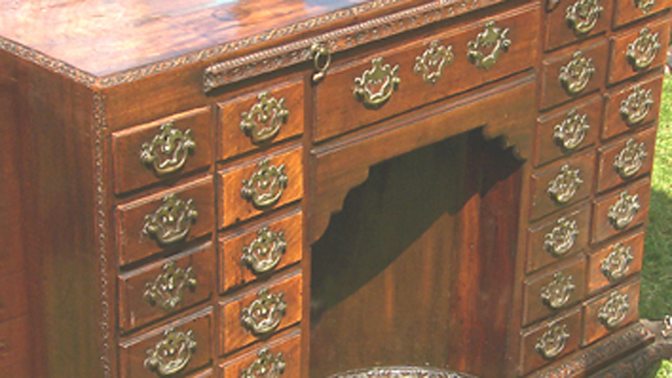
(489, 44)
(265, 366)
(637, 105)
(623, 212)
(264, 252)
(570, 133)
(630, 159)
(172, 354)
(562, 237)
(552, 342)
(266, 185)
(263, 121)
(321, 55)
(615, 266)
(172, 221)
(614, 310)
(265, 313)
(168, 151)
(558, 292)
(643, 50)
(565, 185)
(582, 16)
(377, 84)
(167, 289)
(432, 62)
(576, 74)
(645, 5)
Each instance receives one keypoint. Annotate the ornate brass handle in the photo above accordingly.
(614, 310)
(562, 237)
(377, 84)
(623, 212)
(172, 354)
(616, 265)
(645, 5)
(552, 342)
(167, 289)
(168, 151)
(582, 16)
(576, 74)
(565, 185)
(263, 121)
(431, 63)
(266, 365)
(265, 313)
(570, 133)
(637, 105)
(643, 50)
(489, 44)
(630, 159)
(172, 221)
(266, 185)
(558, 292)
(264, 253)
(321, 60)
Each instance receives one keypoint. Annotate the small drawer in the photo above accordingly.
(281, 357)
(638, 50)
(628, 11)
(162, 150)
(15, 353)
(165, 221)
(260, 250)
(569, 21)
(260, 186)
(633, 106)
(561, 184)
(13, 296)
(621, 210)
(550, 341)
(259, 313)
(176, 350)
(573, 72)
(555, 291)
(615, 262)
(626, 159)
(257, 120)
(403, 77)
(610, 311)
(166, 287)
(568, 130)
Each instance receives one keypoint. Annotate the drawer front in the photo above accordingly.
(258, 120)
(408, 76)
(176, 350)
(162, 150)
(621, 210)
(550, 341)
(259, 313)
(572, 73)
(13, 296)
(14, 348)
(638, 50)
(260, 250)
(278, 358)
(632, 106)
(562, 184)
(555, 291)
(568, 21)
(568, 130)
(260, 186)
(615, 262)
(165, 221)
(610, 312)
(166, 287)
(629, 11)
(626, 159)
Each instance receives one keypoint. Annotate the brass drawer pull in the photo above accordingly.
(558, 292)
(266, 365)
(167, 289)
(614, 310)
(576, 74)
(263, 121)
(623, 212)
(168, 151)
(637, 105)
(265, 313)
(565, 185)
(377, 84)
(431, 63)
(489, 44)
(571, 132)
(172, 354)
(643, 50)
(321, 54)
(630, 159)
(172, 221)
(266, 185)
(562, 237)
(552, 342)
(264, 253)
(582, 16)
(616, 265)
(645, 5)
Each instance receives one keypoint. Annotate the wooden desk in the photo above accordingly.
(209, 189)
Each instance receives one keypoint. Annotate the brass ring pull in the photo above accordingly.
(262, 123)
(377, 84)
(576, 74)
(623, 212)
(485, 50)
(630, 159)
(264, 253)
(614, 311)
(565, 185)
(168, 151)
(558, 292)
(571, 132)
(266, 185)
(172, 354)
(266, 365)
(172, 221)
(616, 265)
(582, 16)
(264, 314)
(321, 60)
(552, 342)
(431, 63)
(637, 105)
(167, 289)
(643, 51)
(562, 237)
